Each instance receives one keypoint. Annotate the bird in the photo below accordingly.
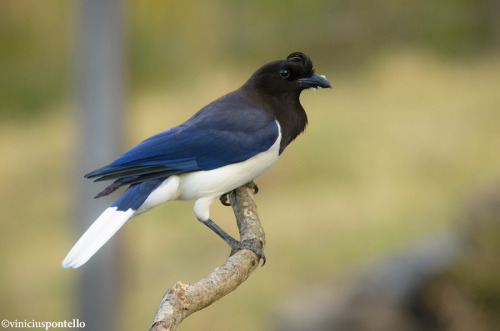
(225, 145)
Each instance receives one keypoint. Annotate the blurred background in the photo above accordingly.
(395, 184)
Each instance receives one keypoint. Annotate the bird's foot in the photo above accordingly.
(224, 199)
(253, 186)
(255, 245)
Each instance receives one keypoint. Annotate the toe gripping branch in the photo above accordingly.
(254, 244)
(224, 199)
(248, 224)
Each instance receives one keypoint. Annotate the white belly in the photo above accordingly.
(213, 183)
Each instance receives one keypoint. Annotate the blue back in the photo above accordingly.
(218, 135)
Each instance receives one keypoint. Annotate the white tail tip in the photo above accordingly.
(104, 227)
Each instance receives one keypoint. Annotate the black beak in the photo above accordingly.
(314, 81)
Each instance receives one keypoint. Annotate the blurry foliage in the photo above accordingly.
(34, 55)
(466, 295)
(169, 42)
(167, 35)
(393, 172)
(408, 140)
(477, 273)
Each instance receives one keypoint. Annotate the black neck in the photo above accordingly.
(286, 108)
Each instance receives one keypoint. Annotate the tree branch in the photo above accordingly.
(184, 299)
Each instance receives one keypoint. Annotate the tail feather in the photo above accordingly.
(104, 227)
(114, 217)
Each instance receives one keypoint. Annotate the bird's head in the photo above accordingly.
(284, 77)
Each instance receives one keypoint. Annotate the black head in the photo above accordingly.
(276, 87)
(289, 76)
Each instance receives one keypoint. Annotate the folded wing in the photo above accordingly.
(209, 140)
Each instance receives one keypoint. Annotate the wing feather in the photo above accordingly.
(216, 136)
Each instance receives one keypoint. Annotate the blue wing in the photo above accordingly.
(224, 132)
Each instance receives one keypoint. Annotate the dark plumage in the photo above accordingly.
(226, 144)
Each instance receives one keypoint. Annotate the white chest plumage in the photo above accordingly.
(222, 180)
(213, 183)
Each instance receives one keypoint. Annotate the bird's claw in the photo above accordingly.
(224, 199)
(255, 245)
(253, 186)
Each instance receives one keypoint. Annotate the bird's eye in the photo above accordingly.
(284, 73)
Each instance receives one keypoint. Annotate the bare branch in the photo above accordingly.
(184, 299)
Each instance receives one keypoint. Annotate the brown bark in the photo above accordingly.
(184, 299)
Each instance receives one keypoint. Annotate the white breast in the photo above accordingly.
(213, 183)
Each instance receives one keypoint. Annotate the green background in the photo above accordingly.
(408, 134)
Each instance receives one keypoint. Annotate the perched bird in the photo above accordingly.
(226, 144)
